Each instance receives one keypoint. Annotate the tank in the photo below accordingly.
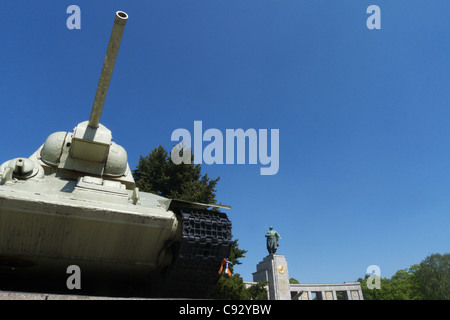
(74, 202)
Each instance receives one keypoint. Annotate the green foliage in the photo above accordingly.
(433, 276)
(428, 280)
(258, 291)
(236, 254)
(156, 173)
(293, 281)
(401, 286)
(230, 288)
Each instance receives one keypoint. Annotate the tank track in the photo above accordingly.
(206, 240)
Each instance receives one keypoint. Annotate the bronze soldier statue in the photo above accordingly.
(272, 240)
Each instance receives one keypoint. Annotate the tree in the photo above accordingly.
(401, 286)
(258, 291)
(433, 277)
(156, 173)
(232, 288)
(404, 285)
(236, 254)
(373, 294)
(428, 280)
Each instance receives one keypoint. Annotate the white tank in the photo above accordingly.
(74, 202)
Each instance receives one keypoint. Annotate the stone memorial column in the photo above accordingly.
(274, 269)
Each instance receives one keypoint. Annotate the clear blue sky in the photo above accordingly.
(363, 115)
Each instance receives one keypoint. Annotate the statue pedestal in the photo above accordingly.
(274, 269)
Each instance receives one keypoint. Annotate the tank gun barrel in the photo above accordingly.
(107, 69)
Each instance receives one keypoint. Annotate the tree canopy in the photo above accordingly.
(433, 276)
(156, 173)
(429, 280)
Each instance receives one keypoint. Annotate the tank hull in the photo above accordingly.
(155, 247)
(48, 225)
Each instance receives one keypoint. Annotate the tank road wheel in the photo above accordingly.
(206, 240)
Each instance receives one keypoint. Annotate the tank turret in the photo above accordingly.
(74, 202)
(89, 149)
